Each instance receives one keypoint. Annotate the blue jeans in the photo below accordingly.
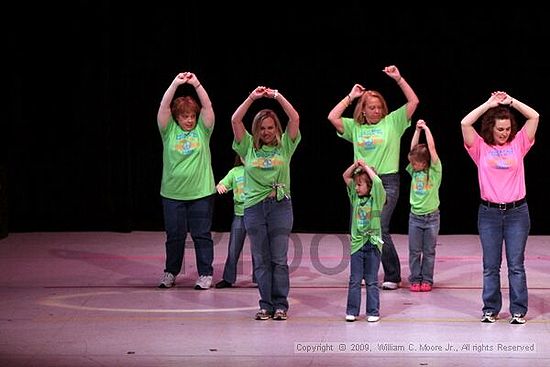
(364, 263)
(234, 249)
(390, 258)
(511, 226)
(423, 231)
(194, 216)
(268, 225)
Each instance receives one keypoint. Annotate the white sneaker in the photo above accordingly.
(373, 318)
(390, 286)
(489, 317)
(203, 282)
(350, 318)
(168, 280)
(517, 318)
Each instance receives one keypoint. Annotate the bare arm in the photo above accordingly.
(164, 113)
(335, 115)
(293, 124)
(431, 142)
(416, 135)
(529, 113)
(207, 112)
(412, 99)
(237, 118)
(366, 168)
(348, 173)
(468, 131)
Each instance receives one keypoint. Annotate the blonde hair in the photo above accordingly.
(361, 106)
(257, 124)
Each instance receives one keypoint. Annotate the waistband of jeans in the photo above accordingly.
(389, 174)
(504, 206)
(434, 213)
(274, 198)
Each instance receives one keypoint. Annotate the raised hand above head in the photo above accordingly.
(393, 72)
(271, 93)
(192, 79)
(259, 92)
(497, 98)
(180, 79)
(502, 97)
(357, 91)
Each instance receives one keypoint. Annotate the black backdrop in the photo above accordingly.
(81, 149)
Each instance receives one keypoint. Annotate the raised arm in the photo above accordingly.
(335, 115)
(293, 124)
(416, 136)
(434, 158)
(529, 113)
(207, 111)
(348, 173)
(468, 131)
(163, 114)
(412, 100)
(237, 118)
(366, 168)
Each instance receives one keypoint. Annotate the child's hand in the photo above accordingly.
(221, 188)
(420, 124)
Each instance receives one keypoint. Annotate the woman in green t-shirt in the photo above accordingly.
(268, 216)
(376, 138)
(187, 186)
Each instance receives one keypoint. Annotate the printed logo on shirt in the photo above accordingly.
(267, 159)
(501, 158)
(238, 191)
(187, 142)
(420, 184)
(370, 139)
(363, 215)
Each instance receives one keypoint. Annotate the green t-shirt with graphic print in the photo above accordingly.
(378, 144)
(366, 212)
(424, 194)
(265, 167)
(187, 166)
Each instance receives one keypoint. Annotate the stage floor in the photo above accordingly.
(91, 299)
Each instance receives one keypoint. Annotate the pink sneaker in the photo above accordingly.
(415, 287)
(425, 287)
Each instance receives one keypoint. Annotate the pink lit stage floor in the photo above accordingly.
(91, 299)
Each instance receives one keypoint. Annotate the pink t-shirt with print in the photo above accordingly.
(500, 169)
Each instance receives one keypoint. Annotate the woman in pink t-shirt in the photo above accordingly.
(503, 215)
